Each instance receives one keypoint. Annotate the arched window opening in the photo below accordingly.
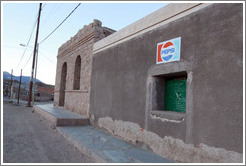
(77, 68)
(63, 84)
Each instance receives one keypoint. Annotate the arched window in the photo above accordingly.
(77, 68)
(63, 84)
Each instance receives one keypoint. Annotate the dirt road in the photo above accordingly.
(29, 138)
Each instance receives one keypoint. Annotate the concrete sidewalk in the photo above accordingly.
(103, 147)
(61, 117)
(99, 145)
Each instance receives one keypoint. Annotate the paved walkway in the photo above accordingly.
(61, 117)
(99, 145)
(107, 148)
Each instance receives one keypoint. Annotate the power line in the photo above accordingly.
(60, 23)
(46, 58)
(52, 13)
(41, 56)
(28, 42)
(27, 60)
(43, 6)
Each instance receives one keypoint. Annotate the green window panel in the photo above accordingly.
(175, 94)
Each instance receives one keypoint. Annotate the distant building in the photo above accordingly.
(49, 90)
(6, 88)
(172, 81)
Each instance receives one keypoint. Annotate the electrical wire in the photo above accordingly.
(27, 43)
(43, 6)
(28, 60)
(60, 24)
(29, 40)
(47, 36)
(40, 53)
(51, 14)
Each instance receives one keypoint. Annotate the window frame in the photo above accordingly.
(155, 75)
(159, 90)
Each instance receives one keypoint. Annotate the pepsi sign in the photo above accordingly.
(168, 51)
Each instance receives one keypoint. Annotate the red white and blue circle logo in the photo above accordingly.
(167, 51)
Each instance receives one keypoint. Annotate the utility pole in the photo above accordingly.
(33, 62)
(33, 95)
(19, 87)
(10, 90)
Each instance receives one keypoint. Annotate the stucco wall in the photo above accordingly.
(212, 56)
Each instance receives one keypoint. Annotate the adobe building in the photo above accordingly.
(174, 82)
(73, 73)
(171, 82)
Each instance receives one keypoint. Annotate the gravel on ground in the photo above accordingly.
(30, 138)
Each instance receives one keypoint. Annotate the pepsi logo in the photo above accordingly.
(168, 51)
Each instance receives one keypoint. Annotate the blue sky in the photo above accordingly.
(18, 21)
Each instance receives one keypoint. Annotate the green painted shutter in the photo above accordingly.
(175, 95)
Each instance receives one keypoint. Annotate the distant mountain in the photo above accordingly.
(24, 79)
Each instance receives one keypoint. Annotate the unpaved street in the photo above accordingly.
(29, 138)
